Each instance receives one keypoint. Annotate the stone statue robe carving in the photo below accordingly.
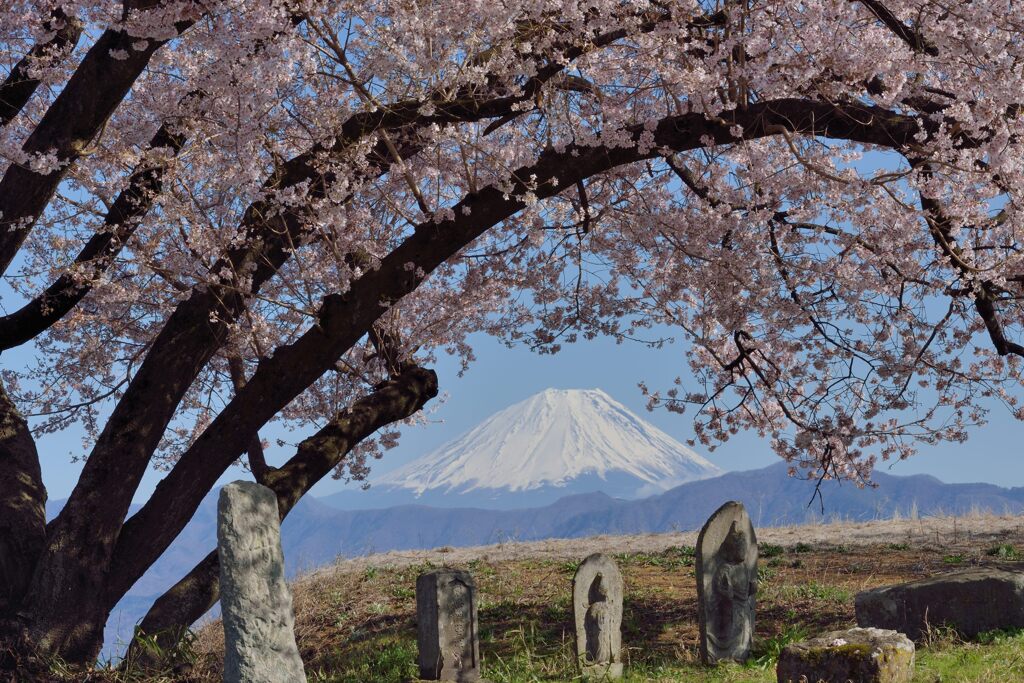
(598, 624)
(597, 604)
(726, 584)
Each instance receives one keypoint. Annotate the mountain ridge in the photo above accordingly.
(552, 444)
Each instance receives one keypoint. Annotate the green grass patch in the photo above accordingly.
(1004, 551)
(676, 557)
(766, 652)
(813, 590)
(993, 656)
(383, 659)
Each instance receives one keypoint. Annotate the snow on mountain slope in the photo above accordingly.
(555, 439)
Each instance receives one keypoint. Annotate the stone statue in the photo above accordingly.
(726, 584)
(597, 605)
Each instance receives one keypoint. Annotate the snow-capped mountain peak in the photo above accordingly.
(572, 440)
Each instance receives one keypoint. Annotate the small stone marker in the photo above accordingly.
(597, 607)
(864, 655)
(970, 601)
(449, 647)
(259, 626)
(726, 584)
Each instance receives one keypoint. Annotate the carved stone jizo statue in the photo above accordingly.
(726, 584)
(597, 607)
(446, 615)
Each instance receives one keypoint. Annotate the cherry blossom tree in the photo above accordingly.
(219, 215)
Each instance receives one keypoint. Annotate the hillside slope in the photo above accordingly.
(355, 622)
(315, 534)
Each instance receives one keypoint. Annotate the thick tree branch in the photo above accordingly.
(257, 459)
(198, 327)
(123, 217)
(189, 338)
(316, 457)
(984, 303)
(18, 87)
(910, 36)
(940, 225)
(68, 128)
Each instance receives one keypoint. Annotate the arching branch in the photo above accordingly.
(69, 127)
(99, 252)
(908, 35)
(18, 87)
(316, 457)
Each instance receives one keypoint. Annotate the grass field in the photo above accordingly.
(359, 626)
(355, 622)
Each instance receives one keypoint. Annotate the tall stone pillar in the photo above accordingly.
(449, 648)
(259, 626)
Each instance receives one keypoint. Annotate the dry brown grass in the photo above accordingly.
(346, 612)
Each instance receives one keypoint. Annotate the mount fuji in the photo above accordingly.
(553, 444)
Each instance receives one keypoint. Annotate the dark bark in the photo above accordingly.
(257, 459)
(87, 554)
(75, 565)
(192, 335)
(189, 339)
(316, 457)
(99, 502)
(178, 608)
(22, 506)
(907, 34)
(18, 88)
(119, 225)
(68, 128)
(81, 539)
(131, 205)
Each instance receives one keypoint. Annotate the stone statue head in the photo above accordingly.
(598, 591)
(734, 546)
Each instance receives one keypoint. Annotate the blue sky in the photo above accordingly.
(503, 376)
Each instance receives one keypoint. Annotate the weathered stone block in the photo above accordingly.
(259, 626)
(861, 655)
(597, 608)
(449, 647)
(726, 584)
(970, 601)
